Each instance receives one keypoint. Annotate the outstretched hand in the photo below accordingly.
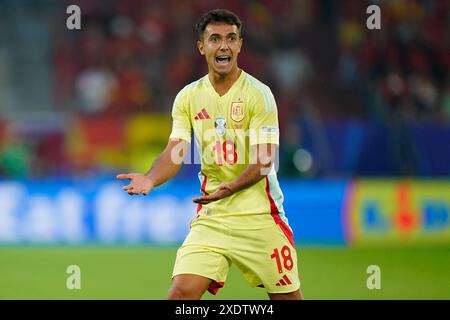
(223, 191)
(139, 183)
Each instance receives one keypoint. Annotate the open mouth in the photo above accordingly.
(223, 59)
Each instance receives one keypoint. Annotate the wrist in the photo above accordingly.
(231, 187)
(150, 181)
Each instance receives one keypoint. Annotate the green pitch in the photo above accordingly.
(144, 273)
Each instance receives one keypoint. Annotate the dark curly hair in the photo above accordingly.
(217, 16)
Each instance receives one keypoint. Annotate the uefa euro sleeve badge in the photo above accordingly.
(237, 111)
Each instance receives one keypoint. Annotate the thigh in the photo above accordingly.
(296, 295)
(188, 287)
(202, 254)
(267, 259)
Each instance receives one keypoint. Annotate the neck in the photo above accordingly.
(222, 83)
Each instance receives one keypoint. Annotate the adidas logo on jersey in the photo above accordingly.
(284, 281)
(202, 115)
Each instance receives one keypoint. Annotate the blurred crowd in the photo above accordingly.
(134, 56)
(402, 69)
(131, 58)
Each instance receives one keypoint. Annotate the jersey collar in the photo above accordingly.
(232, 88)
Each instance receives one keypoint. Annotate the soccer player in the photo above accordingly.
(240, 217)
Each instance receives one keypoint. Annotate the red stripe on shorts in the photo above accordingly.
(215, 286)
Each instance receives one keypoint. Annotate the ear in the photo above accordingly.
(201, 48)
(241, 41)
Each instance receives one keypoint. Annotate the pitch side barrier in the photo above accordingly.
(320, 212)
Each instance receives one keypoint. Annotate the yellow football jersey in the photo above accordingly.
(224, 128)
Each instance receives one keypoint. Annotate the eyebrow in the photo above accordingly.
(219, 35)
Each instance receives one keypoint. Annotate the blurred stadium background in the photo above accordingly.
(364, 158)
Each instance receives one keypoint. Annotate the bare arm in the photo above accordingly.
(264, 156)
(166, 166)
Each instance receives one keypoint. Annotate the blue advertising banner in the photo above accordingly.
(324, 212)
(99, 211)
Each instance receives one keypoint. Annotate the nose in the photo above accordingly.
(223, 45)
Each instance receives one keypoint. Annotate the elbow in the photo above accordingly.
(265, 169)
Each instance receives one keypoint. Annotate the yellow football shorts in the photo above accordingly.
(266, 257)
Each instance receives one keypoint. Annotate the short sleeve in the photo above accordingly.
(264, 121)
(181, 124)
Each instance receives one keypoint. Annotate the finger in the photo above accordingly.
(202, 200)
(199, 198)
(128, 187)
(123, 176)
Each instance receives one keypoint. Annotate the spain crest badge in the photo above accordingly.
(237, 111)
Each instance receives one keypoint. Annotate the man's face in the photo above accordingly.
(221, 45)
